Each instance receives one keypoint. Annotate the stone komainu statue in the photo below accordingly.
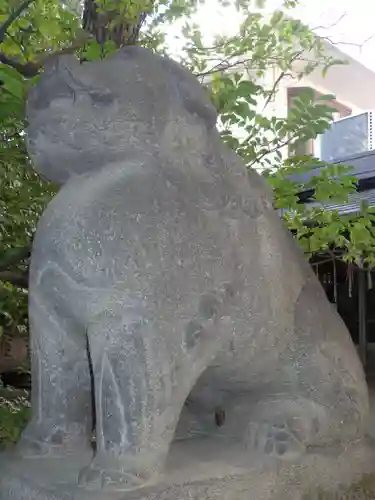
(164, 287)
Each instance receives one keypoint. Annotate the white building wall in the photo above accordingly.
(352, 84)
(279, 105)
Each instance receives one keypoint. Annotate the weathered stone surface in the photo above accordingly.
(203, 470)
(164, 286)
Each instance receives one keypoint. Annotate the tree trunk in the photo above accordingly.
(14, 353)
(111, 25)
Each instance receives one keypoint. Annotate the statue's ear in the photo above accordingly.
(51, 85)
(194, 97)
(197, 104)
(51, 64)
(55, 64)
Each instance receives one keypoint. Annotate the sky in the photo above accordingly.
(348, 23)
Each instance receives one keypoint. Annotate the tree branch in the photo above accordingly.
(223, 66)
(13, 394)
(274, 89)
(330, 26)
(15, 278)
(332, 42)
(13, 257)
(12, 17)
(272, 150)
(31, 69)
(28, 69)
(228, 63)
(282, 75)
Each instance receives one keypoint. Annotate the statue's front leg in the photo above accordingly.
(136, 412)
(142, 376)
(61, 385)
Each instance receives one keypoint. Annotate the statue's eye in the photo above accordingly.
(101, 98)
(47, 91)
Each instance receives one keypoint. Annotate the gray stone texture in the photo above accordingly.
(166, 294)
(202, 470)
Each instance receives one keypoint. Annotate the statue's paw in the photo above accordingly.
(275, 440)
(29, 448)
(39, 441)
(97, 476)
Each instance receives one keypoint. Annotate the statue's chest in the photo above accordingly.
(155, 227)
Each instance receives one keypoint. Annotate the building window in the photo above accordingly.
(308, 147)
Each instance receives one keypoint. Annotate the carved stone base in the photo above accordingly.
(199, 470)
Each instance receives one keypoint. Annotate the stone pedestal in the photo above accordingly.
(200, 470)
